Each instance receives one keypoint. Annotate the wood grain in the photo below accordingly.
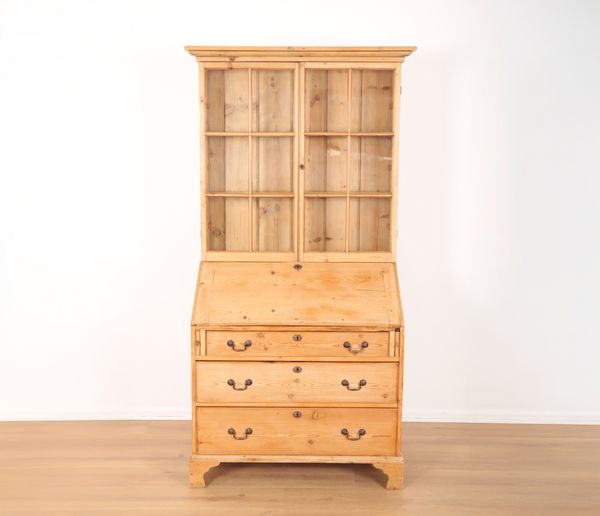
(298, 344)
(280, 382)
(295, 430)
(229, 53)
(198, 470)
(141, 468)
(272, 100)
(394, 473)
(320, 294)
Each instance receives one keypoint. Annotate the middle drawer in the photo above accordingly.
(311, 382)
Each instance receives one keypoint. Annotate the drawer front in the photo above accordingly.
(310, 382)
(345, 345)
(296, 431)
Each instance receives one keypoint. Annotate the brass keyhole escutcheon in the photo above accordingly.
(297, 338)
(297, 369)
(297, 267)
(297, 413)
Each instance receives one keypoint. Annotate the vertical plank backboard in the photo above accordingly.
(314, 96)
(272, 167)
(237, 224)
(214, 81)
(273, 224)
(335, 224)
(237, 100)
(272, 103)
(375, 101)
(215, 224)
(337, 100)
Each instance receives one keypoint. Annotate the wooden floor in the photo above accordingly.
(140, 467)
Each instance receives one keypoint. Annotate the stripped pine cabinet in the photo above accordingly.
(297, 326)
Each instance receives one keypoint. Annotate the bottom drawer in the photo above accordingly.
(296, 431)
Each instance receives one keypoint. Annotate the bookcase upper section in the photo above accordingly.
(299, 152)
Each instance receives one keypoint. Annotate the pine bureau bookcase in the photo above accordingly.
(297, 328)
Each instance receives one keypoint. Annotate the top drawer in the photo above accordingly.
(349, 345)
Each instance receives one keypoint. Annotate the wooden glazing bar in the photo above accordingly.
(250, 133)
(348, 150)
(350, 133)
(250, 168)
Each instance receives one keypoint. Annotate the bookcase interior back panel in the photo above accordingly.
(300, 161)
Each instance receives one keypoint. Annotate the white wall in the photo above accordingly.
(499, 252)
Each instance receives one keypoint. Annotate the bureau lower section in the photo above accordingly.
(300, 395)
(295, 430)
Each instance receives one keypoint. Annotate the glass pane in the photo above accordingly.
(227, 164)
(325, 164)
(372, 106)
(227, 100)
(370, 164)
(228, 224)
(272, 224)
(326, 100)
(369, 224)
(325, 224)
(272, 164)
(272, 100)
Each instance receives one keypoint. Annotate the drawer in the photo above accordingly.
(310, 382)
(345, 345)
(296, 431)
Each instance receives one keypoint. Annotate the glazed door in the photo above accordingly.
(249, 134)
(299, 161)
(349, 129)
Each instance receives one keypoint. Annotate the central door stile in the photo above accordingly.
(300, 165)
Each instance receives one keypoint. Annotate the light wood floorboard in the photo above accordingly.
(140, 467)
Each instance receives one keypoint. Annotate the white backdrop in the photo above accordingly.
(499, 219)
